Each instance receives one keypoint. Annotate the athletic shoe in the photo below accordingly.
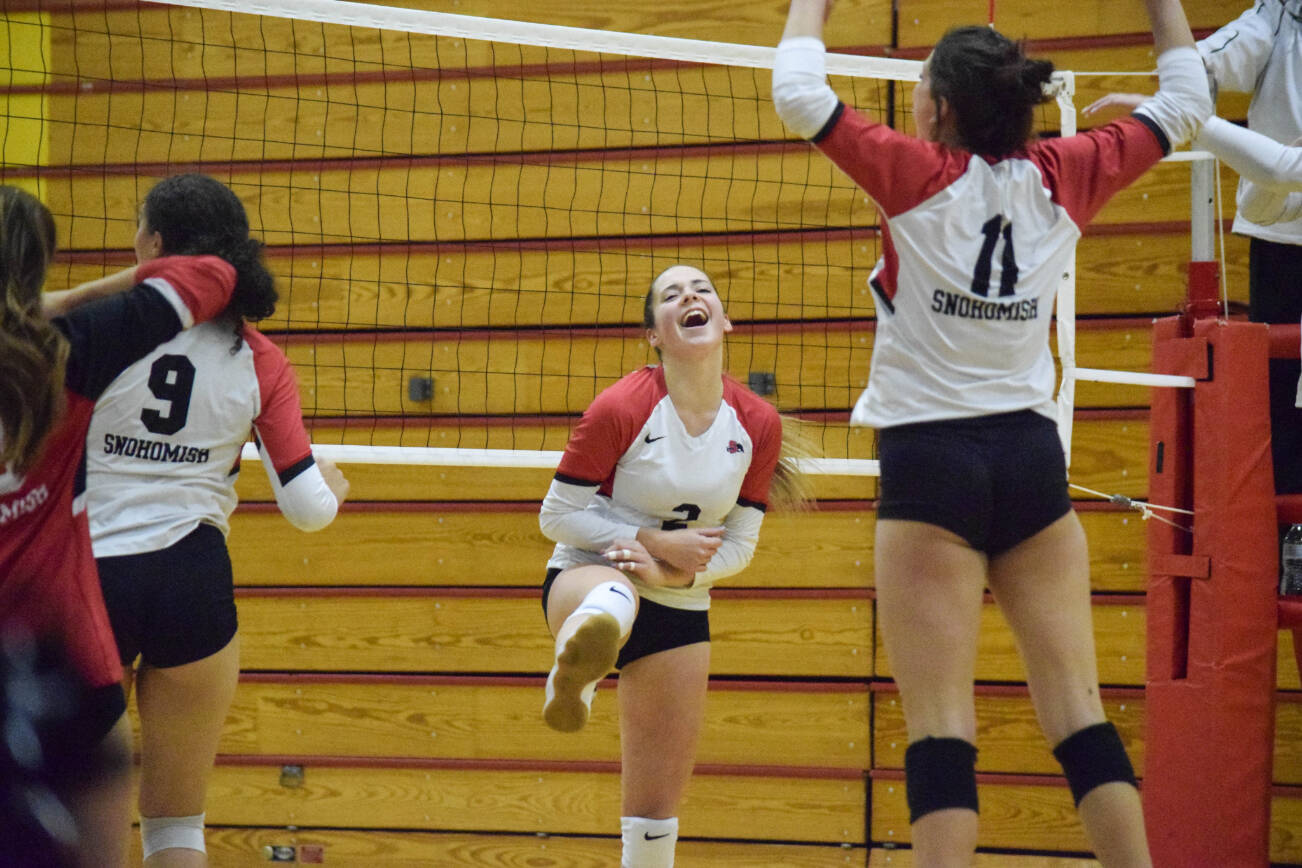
(586, 658)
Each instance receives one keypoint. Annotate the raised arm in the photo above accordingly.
(1182, 103)
(801, 94)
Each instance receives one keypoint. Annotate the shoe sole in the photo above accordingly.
(587, 656)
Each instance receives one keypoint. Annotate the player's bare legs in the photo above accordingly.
(930, 585)
(1042, 586)
(590, 610)
(182, 710)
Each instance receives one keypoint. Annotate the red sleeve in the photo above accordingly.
(899, 171)
(764, 425)
(608, 426)
(1084, 171)
(204, 284)
(280, 422)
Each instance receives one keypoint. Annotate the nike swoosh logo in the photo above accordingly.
(649, 439)
(651, 837)
(618, 591)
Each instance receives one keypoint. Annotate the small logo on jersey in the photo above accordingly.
(734, 447)
(649, 439)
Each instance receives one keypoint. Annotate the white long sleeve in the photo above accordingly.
(1182, 102)
(565, 518)
(803, 98)
(741, 529)
(1261, 160)
(306, 501)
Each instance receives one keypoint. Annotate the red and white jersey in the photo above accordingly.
(973, 253)
(630, 463)
(163, 451)
(48, 580)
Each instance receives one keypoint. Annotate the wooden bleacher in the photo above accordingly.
(396, 659)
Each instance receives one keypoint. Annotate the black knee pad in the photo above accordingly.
(940, 773)
(1094, 756)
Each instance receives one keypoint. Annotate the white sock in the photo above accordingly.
(648, 843)
(166, 833)
(613, 598)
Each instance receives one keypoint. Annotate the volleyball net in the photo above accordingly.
(463, 214)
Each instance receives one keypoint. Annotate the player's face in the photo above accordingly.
(689, 316)
(924, 106)
(149, 244)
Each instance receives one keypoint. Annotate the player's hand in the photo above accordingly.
(334, 479)
(688, 549)
(632, 558)
(1114, 105)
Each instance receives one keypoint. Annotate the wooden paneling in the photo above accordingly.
(443, 633)
(375, 848)
(1118, 637)
(160, 43)
(1108, 454)
(810, 276)
(729, 189)
(892, 857)
(922, 22)
(720, 189)
(1041, 817)
(501, 719)
(506, 109)
(1288, 736)
(827, 548)
(789, 808)
(1008, 734)
(817, 367)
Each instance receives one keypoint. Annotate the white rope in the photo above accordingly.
(440, 456)
(1145, 509)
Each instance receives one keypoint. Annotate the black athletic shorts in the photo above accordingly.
(172, 606)
(993, 480)
(656, 627)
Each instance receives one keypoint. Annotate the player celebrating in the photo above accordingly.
(660, 493)
(979, 226)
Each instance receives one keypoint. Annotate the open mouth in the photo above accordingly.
(694, 318)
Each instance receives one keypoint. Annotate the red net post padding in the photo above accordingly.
(1212, 601)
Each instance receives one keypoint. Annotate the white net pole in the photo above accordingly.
(1065, 306)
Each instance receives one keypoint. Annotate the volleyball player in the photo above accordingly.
(73, 745)
(980, 223)
(162, 458)
(660, 493)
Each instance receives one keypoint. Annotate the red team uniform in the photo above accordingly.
(48, 581)
(630, 463)
(983, 282)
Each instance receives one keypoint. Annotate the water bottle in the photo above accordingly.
(1290, 572)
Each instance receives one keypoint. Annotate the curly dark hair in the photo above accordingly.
(991, 86)
(33, 353)
(195, 214)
